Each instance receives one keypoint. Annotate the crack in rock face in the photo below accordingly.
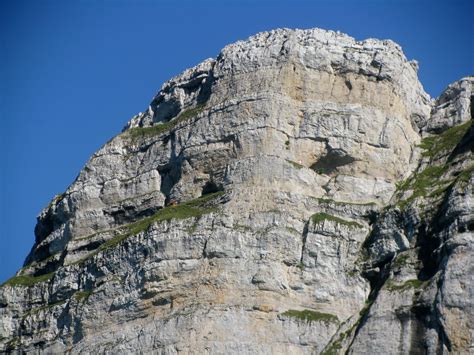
(300, 193)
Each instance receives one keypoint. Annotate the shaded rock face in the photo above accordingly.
(300, 193)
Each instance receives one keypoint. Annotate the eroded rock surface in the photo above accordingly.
(300, 193)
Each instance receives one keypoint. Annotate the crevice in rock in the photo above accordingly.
(204, 252)
(428, 244)
(305, 236)
(348, 84)
(442, 334)
(376, 280)
(170, 174)
(128, 214)
(206, 89)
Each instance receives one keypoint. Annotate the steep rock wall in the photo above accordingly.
(262, 203)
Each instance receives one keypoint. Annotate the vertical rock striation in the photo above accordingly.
(300, 193)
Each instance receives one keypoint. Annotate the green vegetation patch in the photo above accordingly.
(466, 174)
(190, 209)
(83, 296)
(335, 347)
(401, 260)
(428, 182)
(342, 203)
(27, 281)
(435, 145)
(311, 316)
(145, 132)
(415, 283)
(321, 217)
(422, 183)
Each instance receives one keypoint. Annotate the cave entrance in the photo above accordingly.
(331, 161)
(209, 188)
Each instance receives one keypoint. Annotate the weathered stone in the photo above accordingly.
(275, 199)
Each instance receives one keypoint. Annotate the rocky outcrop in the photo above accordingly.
(300, 193)
(453, 107)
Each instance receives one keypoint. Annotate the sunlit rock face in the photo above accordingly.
(300, 193)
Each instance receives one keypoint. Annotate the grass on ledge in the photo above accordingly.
(428, 182)
(190, 209)
(342, 203)
(310, 316)
(415, 283)
(82, 296)
(27, 281)
(144, 132)
(321, 217)
(466, 174)
(445, 142)
(424, 182)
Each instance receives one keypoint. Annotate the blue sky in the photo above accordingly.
(73, 72)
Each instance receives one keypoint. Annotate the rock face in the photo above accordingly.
(298, 194)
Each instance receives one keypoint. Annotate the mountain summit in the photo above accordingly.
(300, 193)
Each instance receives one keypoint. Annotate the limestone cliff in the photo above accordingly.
(300, 193)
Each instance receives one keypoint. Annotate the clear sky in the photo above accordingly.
(73, 72)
